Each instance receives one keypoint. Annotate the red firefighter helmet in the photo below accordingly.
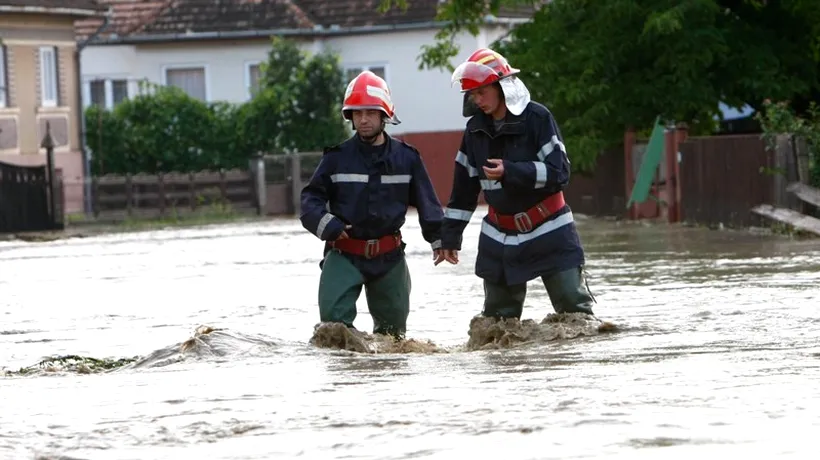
(369, 91)
(482, 68)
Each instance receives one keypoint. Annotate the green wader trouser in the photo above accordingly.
(388, 297)
(567, 291)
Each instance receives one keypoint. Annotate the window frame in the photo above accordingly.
(4, 77)
(248, 65)
(108, 102)
(368, 66)
(189, 66)
(45, 102)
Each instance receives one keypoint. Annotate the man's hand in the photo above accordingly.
(440, 255)
(497, 171)
(344, 236)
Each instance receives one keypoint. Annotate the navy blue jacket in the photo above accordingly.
(370, 188)
(535, 166)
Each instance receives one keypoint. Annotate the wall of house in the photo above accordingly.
(30, 105)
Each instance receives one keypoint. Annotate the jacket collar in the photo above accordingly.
(513, 124)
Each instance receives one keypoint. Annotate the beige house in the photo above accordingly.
(39, 83)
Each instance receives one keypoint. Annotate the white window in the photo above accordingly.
(352, 71)
(97, 93)
(119, 91)
(251, 78)
(188, 79)
(107, 93)
(4, 90)
(48, 76)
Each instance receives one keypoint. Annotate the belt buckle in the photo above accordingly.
(369, 251)
(523, 223)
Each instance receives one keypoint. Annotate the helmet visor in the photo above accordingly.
(472, 75)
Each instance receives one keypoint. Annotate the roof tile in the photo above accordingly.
(154, 17)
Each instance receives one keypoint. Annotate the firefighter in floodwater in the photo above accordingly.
(356, 202)
(512, 149)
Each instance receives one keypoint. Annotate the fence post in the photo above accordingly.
(257, 167)
(629, 145)
(161, 193)
(48, 144)
(802, 174)
(95, 197)
(801, 153)
(780, 165)
(681, 134)
(129, 194)
(295, 180)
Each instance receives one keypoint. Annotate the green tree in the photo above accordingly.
(604, 65)
(304, 94)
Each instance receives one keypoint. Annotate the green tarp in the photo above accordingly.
(649, 165)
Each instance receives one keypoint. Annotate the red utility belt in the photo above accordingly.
(524, 222)
(368, 248)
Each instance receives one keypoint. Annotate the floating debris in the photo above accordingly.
(72, 364)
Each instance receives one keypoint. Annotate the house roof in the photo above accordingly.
(152, 20)
(66, 7)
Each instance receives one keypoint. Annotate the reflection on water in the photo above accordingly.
(716, 352)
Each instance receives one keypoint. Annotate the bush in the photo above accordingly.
(297, 108)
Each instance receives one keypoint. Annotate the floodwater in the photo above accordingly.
(717, 353)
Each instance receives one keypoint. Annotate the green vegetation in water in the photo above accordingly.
(72, 364)
(783, 229)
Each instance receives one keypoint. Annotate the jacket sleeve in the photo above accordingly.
(551, 170)
(423, 198)
(315, 198)
(463, 198)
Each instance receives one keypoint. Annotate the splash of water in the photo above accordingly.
(207, 342)
(491, 333)
(340, 337)
(484, 333)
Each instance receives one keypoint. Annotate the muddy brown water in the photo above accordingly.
(717, 352)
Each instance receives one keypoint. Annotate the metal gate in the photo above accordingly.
(24, 199)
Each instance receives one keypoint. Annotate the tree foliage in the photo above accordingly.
(296, 108)
(604, 65)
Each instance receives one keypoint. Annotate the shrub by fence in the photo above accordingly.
(172, 194)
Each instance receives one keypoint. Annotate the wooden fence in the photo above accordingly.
(284, 177)
(723, 177)
(25, 203)
(172, 194)
(600, 193)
